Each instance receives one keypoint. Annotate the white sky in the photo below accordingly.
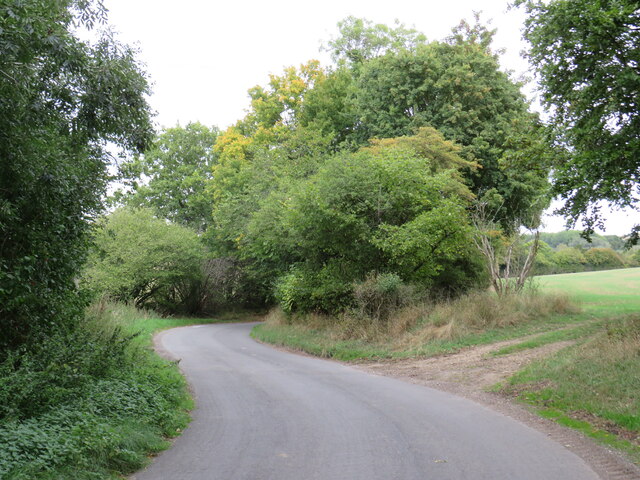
(203, 56)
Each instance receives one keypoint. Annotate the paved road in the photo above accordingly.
(265, 414)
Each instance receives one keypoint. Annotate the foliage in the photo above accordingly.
(146, 260)
(376, 210)
(459, 89)
(337, 173)
(61, 101)
(172, 176)
(603, 258)
(586, 54)
(574, 238)
(360, 40)
(88, 404)
(380, 295)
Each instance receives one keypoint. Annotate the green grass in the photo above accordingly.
(561, 335)
(603, 293)
(594, 385)
(601, 436)
(93, 403)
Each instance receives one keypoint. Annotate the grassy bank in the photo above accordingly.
(594, 385)
(92, 403)
(424, 329)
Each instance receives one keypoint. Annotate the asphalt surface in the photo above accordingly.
(266, 414)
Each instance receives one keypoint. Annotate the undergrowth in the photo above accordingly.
(91, 403)
(415, 328)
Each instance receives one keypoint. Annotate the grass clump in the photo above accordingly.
(92, 402)
(415, 327)
(596, 379)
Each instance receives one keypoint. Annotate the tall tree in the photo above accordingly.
(458, 88)
(587, 55)
(360, 40)
(61, 102)
(172, 175)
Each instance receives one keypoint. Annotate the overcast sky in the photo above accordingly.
(202, 56)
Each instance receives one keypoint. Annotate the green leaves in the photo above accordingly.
(61, 101)
(143, 259)
(390, 207)
(587, 54)
(173, 174)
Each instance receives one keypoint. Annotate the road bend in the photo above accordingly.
(264, 414)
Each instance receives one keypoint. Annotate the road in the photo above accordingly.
(266, 414)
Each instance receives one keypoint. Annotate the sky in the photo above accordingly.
(202, 56)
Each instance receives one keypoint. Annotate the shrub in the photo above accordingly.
(381, 294)
(603, 258)
(305, 290)
(87, 403)
(145, 260)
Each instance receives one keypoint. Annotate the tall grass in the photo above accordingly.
(410, 327)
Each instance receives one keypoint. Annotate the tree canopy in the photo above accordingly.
(587, 55)
(139, 258)
(172, 175)
(61, 101)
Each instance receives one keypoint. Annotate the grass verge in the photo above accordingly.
(93, 403)
(593, 385)
(421, 330)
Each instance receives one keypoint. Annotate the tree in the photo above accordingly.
(587, 55)
(61, 102)
(457, 87)
(143, 259)
(360, 40)
(386, 209)
(172, 175)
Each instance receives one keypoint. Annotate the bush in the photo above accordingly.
(603, 258)
(305, 290)
(87, 403)
(145, 260)
(380, 295)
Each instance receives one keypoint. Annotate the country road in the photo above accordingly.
(265, 414)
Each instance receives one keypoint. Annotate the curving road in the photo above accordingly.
(266, 414)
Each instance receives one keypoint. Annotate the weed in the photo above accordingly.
(89, 403)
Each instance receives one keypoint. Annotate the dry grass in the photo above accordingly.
(417, 324)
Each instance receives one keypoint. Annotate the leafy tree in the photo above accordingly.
(570, 259)
(587, 54)
(360, 40)
(384, 209)
(603, 258)
(459, 89)
(172, 175)
(143, 259)
(61, 102)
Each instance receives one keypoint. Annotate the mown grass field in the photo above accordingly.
(604, 293)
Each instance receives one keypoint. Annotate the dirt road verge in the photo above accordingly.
(470, 372)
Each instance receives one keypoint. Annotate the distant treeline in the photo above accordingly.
(568, 252)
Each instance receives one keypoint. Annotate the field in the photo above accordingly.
(593, 385)
(609, 292)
